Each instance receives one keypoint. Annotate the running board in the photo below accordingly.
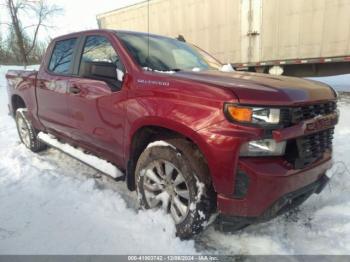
(91, 160)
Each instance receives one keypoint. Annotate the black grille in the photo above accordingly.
(308, 112)
(308, 149)
(297, 114)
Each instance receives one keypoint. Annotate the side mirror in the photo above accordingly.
(103, 71)
(100, 70)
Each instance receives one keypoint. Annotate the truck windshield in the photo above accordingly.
(166, 54)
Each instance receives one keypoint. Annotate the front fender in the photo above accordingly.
(178, 127)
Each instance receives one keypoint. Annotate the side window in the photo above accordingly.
(62, 56)
(99, 49)
(100, 61)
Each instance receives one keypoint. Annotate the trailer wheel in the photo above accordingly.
(168, 178)
(27, 132)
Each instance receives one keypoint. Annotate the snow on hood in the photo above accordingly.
(227, 68)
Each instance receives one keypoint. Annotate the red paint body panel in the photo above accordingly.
(190, 103)
(271, 179)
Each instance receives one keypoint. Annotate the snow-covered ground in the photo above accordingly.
(52, 204)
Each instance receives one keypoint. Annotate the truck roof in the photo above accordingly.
(78, 33)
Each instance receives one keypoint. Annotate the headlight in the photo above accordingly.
(265, 147)
(253, 115)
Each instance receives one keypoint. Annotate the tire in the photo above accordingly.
(27, 133)
(181, 174)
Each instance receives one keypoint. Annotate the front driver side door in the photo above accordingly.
(97, 102)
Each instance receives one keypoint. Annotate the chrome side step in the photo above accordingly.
(91, 160)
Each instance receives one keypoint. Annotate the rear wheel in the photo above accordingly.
(27, 132)
(175, 179)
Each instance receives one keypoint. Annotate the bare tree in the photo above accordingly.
(1, 46)
(41, 11)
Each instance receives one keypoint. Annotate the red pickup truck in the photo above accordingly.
(190, 137)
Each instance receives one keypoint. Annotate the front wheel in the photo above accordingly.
(175, 178)
(26, 131)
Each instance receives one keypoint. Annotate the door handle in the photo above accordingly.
(74, 89)
(41, 85)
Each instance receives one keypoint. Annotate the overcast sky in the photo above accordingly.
(78, 15)
(81, 14)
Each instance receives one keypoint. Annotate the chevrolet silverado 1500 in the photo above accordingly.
(191, 138)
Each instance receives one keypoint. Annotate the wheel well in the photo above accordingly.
(141, 139)
(17, 102)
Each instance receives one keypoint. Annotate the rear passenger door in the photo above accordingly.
(97, 98)
(52, 86)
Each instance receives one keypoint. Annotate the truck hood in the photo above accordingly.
(263, 89)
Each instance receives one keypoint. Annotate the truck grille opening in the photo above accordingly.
(292, 116)
(306, 150)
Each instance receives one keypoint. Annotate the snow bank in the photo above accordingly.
(51, 204)
(100, 164)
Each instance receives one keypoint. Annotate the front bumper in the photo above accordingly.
(279, 207)
(266, 180)
(273, 189)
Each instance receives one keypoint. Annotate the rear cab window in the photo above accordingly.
(61, 61)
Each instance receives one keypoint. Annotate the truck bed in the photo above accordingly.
(21, 83)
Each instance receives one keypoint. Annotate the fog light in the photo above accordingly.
(241, 184)
(264, 147)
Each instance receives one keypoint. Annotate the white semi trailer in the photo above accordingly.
(292, 37)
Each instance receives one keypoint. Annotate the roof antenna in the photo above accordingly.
(181, 38)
